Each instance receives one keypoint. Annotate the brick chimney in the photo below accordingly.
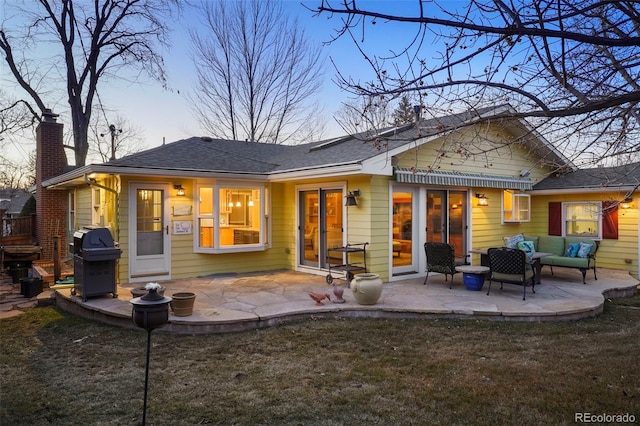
(51, 204)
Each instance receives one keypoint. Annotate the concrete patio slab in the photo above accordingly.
(231, 303)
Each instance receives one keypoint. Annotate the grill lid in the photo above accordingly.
(92, 238)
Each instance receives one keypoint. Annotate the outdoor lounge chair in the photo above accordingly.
(510, 265)
(441, 258)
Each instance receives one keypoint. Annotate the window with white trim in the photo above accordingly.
(231, 217)
(582, 219)
(97, 213)
(72, 212)
(516, 207)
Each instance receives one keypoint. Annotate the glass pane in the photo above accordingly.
(206, 232)
(582, 228)
(333, 217)
(309, 208)
(331, 212)
(522, 207)
(581, 219)
(149, 221)
(206, 201)
(507, 206)
(457, 222)
(582, 211)
(402, 228)
(435, 216)
(240, 216)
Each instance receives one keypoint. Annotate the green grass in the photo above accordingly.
(60, 369)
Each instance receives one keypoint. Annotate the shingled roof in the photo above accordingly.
(218, 155)
(627, 175)
(205, 156)
(12, 200)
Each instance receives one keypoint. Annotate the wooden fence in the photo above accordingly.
(18, 230)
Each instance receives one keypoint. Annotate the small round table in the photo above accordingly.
(473, 276)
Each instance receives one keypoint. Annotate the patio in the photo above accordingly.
(231, 303)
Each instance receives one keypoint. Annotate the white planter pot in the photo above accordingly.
(366, 288)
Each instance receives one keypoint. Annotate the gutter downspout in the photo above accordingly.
(116, 228)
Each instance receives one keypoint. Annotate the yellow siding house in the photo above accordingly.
(203, 206)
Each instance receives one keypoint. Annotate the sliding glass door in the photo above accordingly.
(446, 219)
(321, 225)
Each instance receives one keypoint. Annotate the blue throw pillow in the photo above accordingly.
(528, 248)
(572, 250)
(512, 242)
(584, 250)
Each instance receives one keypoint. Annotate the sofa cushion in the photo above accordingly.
(528, 274)
(551, 244)
(568, 262)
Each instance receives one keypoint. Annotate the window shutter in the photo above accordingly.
(555, 218)
(609, 220)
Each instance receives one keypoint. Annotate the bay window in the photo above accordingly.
(231, 217)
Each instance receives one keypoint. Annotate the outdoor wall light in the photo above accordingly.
(180, 190)
(626, 203)
(483, 200)
(351, 198)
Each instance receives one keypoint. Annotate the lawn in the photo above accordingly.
(64, 370)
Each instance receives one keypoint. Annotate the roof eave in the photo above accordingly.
(324, 171)
(76, 176)
(583, 190)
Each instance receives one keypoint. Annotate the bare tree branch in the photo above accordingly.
(573, 68)
(257, 73)
(95, 39)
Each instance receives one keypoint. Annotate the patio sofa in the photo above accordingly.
(567, 252)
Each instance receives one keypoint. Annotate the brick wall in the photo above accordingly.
(51, 205)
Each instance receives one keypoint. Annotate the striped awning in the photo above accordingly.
(425, 177)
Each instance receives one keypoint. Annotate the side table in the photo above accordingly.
(473, 276)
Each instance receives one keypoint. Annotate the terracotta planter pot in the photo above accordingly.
(366, 288)
(182, 303)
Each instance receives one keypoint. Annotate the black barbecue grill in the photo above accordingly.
(94, 262)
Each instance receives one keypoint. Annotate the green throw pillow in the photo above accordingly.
(528, 248)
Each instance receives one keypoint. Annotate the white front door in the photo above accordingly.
(149, 236)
